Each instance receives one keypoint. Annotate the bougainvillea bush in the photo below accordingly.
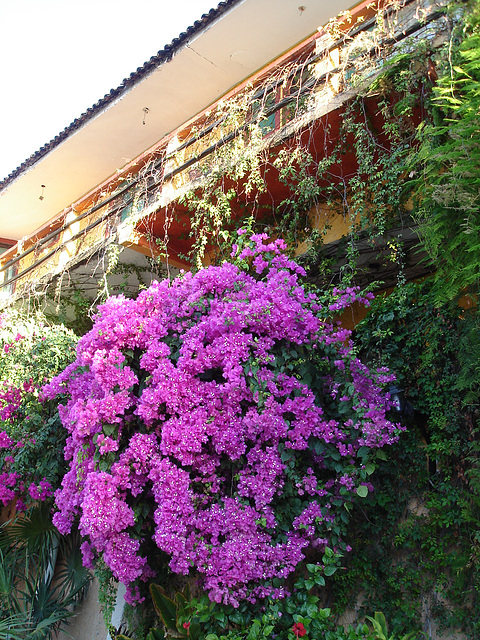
(32, 351)
(223, 416)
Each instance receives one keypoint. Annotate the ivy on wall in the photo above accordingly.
(354, 165)
(419, 532)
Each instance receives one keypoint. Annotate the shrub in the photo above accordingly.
(225, 417)
(31, 436)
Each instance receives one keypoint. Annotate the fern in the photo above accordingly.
(447, 165)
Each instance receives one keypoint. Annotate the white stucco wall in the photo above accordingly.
(88, 622)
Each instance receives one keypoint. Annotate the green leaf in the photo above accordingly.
(380, 625)
(221, 618)
(165, 607)
(254, 632)
(195, 631)
(362, 452)
(109, 429)
(155, 634)
(362, 491)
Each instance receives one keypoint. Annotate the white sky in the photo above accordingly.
(59, 57)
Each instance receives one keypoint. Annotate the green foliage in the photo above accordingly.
(203, 619)
(172, 613)
(447, 165)
(35, 606)
(139, 622)
(300, 614)
(14, 627)
(381, 629)
(298, 171)
(32, 347)
(376, 134)
(416, 538)
(236, 159)
(278, 619)
(379, 141)
(153, 634)
(107, 591)
(32, 352)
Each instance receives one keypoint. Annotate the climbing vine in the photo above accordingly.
(353, 166)
(424, 519)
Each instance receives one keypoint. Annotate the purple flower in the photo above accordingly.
(190, 422)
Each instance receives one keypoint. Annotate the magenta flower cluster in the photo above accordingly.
(222, 418)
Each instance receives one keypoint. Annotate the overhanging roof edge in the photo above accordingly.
(163, 56)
